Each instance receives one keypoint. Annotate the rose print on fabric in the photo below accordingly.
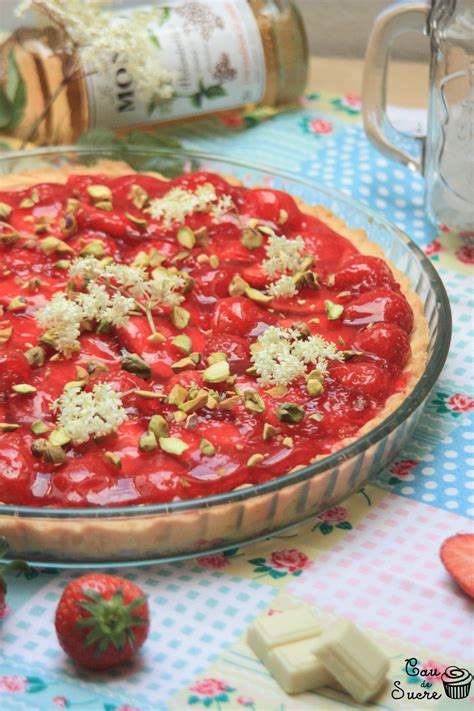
(281, 563)
(433, 249)
(465, 254)
(20, 684)
(246, 701)
(350, 104)
(210, 692)
(317, 127)
(331, 519)
(401, 469)
(455, 404)
(216, 561)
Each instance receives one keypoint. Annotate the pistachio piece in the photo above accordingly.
(282, 217)
(132, 363)
(10, 236)
(183, 342)
(173, 445)
(138, 196)
(316, 416)
(314, 387)
(228, 403)
(253, 401)
(38, 447)
(147, 442)
(23, 389)
(39, 427)
(8, 427)
(179, 416)
(214, 261)
(180, 317)
(287, 442)
(62, 264)
(183, 364)
(158, 426)
(195, 403)
(96, 249)
(51, 244)
(26, 203)
(156, 338)
(343, 294)
(138, 221)
(54, 454)
(17, 305)
(269, 432)
(150, 394)
(5, 334)
(202, 237)
(251, 238)
(104, 205)
(255, 459)
(186, 237)
(217, 372)
(290, 413)
(207, 448)
(68, 224)
(5, 211)
(303, 329)
(333, 311)
(47, 339)
(216, 357)
(237, 286)
(256, 295)
(99, 192)
(177, 395)
(311, 279)
(113, 459)
(59, 438)
(35, 356)
(75, 384)
(72, 206)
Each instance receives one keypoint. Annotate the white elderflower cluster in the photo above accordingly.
(102, 36)
(62, 318)
(98, 305)
(178, 203)
(283, 254)
(283, 288)
(82, 414)
(282, 356)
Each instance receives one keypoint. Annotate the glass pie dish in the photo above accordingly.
(147, 533)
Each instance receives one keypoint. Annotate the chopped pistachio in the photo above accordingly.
(196, 357)
(96, 248)
(54, 454)
(290, 413)
(158, 426)
(216, 357)
(207, 448)
(195, 403)
(333, 311)
(341, 340)
(202, 237)
(35, 356)
(186, 237)
(255, 459)
(132, 363)
(81, 373)
(104, 205)
(287, 442)
(59, 438)
(99, 192)
(24, 389)
(191, 421)
(9, 237)
(5, 211)
(177, 395)
(34, 284)
(173, 445)
(5, 334)
(202, 258)
(150, 394)
(179, 416)
(256, 295)
(156, 338)
(316, 416)
(62, 264)
(183, 342)
(68, 225)
(315, 375)
(38, 447)
(251, 238)
(147, 442)
(183, 364)
(138, 221)
(237, 286)
(228, 403)
(8, 427)
(214, 261)
(278, 391)
(180, 257)
(138, 196)
(217, 372)
(269, 432)
(26, 203)
(188, 282)
(18, 304)
(282, 217)
(253, 401)
(180, 317)
(303, 329)
(51, 244)
(266, 230)
(72, 206)
(331, 279)
(114, 459)
(39, 427)
(75, 384)
(311, 279)
(343, 294)
(314, 387)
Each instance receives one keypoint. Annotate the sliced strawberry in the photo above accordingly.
(457, 555)
(361, 273)
(380, 305)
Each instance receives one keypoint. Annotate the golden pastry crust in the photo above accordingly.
(150, 536)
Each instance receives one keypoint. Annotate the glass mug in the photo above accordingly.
(445, 156)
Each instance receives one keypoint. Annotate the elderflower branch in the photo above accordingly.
(82, 414)
(281, 355)
(178, 203)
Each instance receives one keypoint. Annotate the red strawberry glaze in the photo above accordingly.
(376, 323)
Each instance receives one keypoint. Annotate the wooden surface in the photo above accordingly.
(407, 84)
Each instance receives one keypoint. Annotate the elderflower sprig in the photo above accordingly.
(85, 414)
(283, 254)
(281, 355)
(178, 203)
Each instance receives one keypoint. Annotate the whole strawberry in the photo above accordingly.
(102, 620)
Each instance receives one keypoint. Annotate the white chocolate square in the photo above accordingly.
(357, 663)
(296, 668)
(270, 631)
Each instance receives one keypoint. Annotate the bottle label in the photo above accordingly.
(215, 53)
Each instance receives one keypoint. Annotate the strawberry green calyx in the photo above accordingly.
(18, 566)
(111, 622)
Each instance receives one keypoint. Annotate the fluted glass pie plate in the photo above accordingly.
(132, 535)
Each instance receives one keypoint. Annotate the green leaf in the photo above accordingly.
(193, 699)
(165, 15)
(98, 137)
(230, 552)
(325, 528)
(15, 92)
(35, 684)
(213, 92)
(262, 569)
(345, 525)
(393, 480)
(6, 110)
(196, 100)
(257, 561)
(207, 701)
(277, 574)
(154, 40)
(297, 572)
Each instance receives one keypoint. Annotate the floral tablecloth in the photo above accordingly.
(373, 559)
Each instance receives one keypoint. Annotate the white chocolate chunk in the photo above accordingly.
(353, 659)
(297, 669)
(270, 631)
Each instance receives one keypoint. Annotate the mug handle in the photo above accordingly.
(395, 20)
